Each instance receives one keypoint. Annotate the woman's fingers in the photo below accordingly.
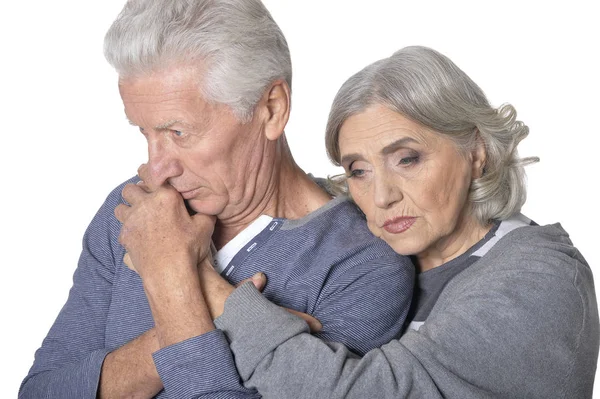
(259, 280)
(314, 324)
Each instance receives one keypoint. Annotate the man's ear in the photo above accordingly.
(478, 156)
(277, 105)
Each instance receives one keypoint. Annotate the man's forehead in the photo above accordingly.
(172, 78)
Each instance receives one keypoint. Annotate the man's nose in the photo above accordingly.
(163, 163)
(386, 191)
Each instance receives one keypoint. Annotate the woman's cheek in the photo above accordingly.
(374, 229)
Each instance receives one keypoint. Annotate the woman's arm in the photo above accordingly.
(508, 333)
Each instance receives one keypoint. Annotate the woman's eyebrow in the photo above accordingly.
(392, 147)
(349, 158)
(388, 149)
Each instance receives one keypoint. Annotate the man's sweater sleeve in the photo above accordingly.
(68, 363)
(201, 367)
(204, 367)
(364, 305)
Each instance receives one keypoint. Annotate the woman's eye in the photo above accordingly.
(408, 160)
(357, 169)
(356, 173)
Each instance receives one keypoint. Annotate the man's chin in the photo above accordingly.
(203, 207)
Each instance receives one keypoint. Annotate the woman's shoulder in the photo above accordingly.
(530, 262)
(547, 243)
(535, 249)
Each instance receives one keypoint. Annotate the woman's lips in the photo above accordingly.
(398, 225)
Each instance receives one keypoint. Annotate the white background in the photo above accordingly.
(65, 143)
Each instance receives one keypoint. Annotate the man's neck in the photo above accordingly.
(288, 193)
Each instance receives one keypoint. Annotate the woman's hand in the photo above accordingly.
(216, 290)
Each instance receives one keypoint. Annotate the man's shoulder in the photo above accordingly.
(104, 217)
(338, 235)
(115, 196)
(339, 224)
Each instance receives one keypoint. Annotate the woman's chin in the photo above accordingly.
(403, 245)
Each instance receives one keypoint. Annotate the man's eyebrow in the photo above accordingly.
(167, 125)
(162, 126)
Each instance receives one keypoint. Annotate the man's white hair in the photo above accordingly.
(236, 42)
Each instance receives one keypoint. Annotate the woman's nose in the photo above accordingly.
(386, 191)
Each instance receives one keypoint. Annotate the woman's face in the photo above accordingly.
(411, 182)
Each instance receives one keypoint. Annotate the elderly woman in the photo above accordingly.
(504, 307)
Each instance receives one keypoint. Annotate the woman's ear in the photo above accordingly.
(478, 156)
(277, 106)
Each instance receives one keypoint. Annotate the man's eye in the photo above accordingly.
(178, 133)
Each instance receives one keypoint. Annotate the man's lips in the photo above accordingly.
(189, 194)
(399, 225)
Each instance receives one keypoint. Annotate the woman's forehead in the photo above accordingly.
(378, 126)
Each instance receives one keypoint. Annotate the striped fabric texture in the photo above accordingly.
(327, 264)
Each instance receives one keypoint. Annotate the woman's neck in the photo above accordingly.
(468, 232)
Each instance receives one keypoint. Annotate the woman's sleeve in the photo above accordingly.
(504, 333)
(275, 353)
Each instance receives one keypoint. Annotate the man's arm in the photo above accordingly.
(129, 371)
(69, 362)
(364, 305)
(164, 243)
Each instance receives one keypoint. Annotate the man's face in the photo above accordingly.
(197, 147)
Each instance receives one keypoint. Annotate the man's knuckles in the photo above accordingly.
(132, 193)
(121, 212)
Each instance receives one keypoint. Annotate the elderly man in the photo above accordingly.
(208, 84)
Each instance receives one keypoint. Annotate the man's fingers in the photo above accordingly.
(142, 184)
(132, 193)
(205, 224)
(121, 212)
(144, 174)
(314, 324)
(128, 262)
(143, 171)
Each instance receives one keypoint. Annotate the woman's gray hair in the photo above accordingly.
(428, 88)
(238, 43)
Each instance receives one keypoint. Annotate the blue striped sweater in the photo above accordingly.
(326, 264)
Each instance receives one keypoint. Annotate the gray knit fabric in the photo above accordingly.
(520, 322)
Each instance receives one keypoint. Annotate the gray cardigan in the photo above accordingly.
(521, 322)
